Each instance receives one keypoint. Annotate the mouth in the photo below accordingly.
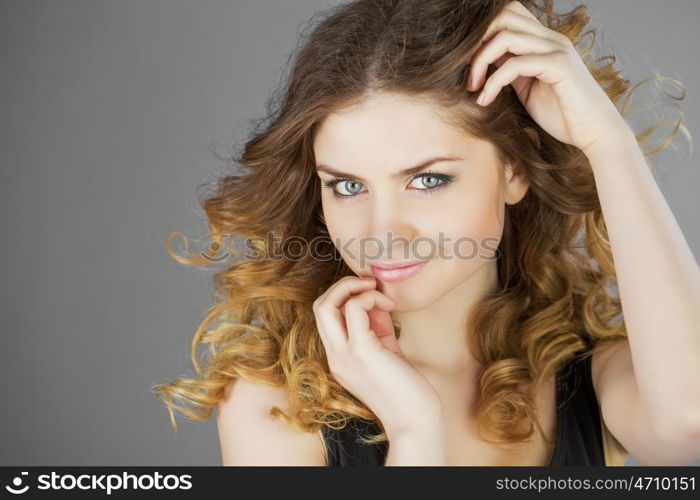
(390, 272)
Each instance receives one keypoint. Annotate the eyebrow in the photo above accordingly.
(407, 171)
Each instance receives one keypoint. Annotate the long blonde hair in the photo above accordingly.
(556, 276)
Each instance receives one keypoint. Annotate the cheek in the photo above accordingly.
(342, 228)
(461, 231)
(334, 216)
(475, 226)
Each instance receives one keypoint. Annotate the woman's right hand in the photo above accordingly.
(363, 355)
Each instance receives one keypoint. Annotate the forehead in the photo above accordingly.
(388, 132)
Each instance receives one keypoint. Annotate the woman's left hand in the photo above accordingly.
(548, 76)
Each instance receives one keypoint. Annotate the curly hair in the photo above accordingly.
(556, 295)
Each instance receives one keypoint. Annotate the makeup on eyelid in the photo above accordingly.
(445, 179)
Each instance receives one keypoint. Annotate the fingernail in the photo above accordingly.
(481, 99)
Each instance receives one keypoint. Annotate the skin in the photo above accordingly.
(391, 132)
(646, 385)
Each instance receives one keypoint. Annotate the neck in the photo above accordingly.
(435, 337)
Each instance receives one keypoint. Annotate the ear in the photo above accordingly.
(517, 184)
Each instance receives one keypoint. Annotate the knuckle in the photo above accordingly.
(353, 301)
(510, 62)
(373, 293)
(562, 56)
(507, 14)
(517, 5)
(562, 38)
(504, 35)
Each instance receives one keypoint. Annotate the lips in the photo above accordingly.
(395, 265)
(397, 271)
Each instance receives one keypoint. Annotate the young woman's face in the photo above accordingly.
(452, 217)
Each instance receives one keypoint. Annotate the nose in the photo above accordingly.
(391, 231)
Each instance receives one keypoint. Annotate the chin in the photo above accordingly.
(409, 295)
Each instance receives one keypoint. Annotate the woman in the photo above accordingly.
(470, 144)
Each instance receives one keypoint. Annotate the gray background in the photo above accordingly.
(109, 109)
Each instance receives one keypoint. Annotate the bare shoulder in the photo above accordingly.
(250, 436)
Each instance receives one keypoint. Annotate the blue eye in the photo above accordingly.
(351, 186)
(431, 181)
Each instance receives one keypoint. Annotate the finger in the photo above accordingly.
(382, 325)
(509, 19)
(357, 310)
(331, 329)
(380, 322)
(544, 67)
(519, 8)
(515, 42)
(499, 62)
(544, 31)
(327, 308)
(522, 84)
(338, 293)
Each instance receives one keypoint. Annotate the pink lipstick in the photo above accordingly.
(397, 271)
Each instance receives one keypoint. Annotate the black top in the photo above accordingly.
(579, 439)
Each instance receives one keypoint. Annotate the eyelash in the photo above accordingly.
(446, 179)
